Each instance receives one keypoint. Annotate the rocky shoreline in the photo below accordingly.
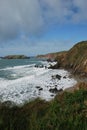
(74, 61)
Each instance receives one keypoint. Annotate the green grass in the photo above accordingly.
(67, 111)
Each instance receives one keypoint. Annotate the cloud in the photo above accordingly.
(32, 17)
(18, 16)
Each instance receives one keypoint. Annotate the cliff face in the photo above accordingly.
(75, 59)
(15, 57)
(51, 56)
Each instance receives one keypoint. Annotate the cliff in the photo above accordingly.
(51, 56)
(74, 59)
(16, 57)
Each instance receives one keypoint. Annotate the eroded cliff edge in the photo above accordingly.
(75, 59)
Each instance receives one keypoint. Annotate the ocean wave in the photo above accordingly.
(18, 67)
(24, 88)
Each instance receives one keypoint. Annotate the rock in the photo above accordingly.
(36, 66)
(64, 77)
(39, 66)
(58, 76)
(40, 89)
(53, 77)
(55, 90)
(51, 95)
(45, 67)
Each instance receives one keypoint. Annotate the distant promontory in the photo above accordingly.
(16, 57)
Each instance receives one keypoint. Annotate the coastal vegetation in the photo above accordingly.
(67, 111)
(75, 59)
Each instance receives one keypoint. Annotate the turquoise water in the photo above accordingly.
(6, 66)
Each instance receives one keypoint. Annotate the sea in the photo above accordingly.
(23, 80)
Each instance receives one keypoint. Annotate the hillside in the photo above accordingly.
(51, 56)
(75, 59)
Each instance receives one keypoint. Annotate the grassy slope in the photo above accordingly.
(75, 59)
(67, 111)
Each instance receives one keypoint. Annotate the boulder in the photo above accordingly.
(55, 90)
(58, 76)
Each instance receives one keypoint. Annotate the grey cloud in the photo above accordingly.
(34, 16)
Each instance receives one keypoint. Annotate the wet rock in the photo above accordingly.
(36, 66)
(55, 90)
(64, 77)
(40, 89)
(39, 66)
(52, 95)
(45, 67)
(58, 76)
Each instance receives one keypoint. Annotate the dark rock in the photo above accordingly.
(55, 90)
(45, 67)
(64, 77)
(39, 66)
(40, 89)
(53, 76)
(52, 95)
(58, 76)
(36, 66)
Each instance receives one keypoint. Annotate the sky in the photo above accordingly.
(33, 27)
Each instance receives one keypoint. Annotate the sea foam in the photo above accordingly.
(27, 78)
